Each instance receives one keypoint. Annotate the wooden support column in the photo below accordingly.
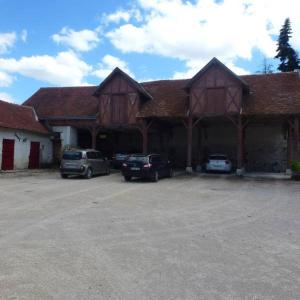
(145, 139)
(144, 126)
(240, 146)
(189, 168)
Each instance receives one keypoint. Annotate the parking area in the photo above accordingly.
(187, 237)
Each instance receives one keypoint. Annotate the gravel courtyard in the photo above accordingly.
(181, 238)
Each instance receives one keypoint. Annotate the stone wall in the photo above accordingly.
(266, 147)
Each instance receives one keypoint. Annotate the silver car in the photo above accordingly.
(218, 162)
(86, 163)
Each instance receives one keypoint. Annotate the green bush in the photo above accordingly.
(295, 165)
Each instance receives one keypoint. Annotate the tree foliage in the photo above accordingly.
(288, 57)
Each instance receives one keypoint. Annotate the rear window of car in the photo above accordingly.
(72, 155)
(218, 157)
(120, 156)
(143, 159)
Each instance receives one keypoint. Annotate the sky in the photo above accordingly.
(75, 42)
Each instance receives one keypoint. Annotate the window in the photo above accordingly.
(99, 155)
(72, 155)
(139, 158)
(91, 155)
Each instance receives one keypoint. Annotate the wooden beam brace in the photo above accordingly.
(197, 121)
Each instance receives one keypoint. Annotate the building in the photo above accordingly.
(254, 118)
(24, 141)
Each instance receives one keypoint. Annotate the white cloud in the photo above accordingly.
(83, 40)
(6, 97)
(108, 63)
(117, 17)
(24, 35)
(197, 31)
(122, 16)
(5, 79)
(66, 68)
(7, 41)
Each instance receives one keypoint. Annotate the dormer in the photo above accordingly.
(120, 97)
(215, 90)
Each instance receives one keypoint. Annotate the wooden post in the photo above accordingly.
(189, 168)
(240, 148)
(145, 140)
(144, 131)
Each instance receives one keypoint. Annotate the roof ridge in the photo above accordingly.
(16, 104)
(271, 74)
(67, 87)
(164, 80)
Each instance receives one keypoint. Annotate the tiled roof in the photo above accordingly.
(273, 94)
(20, 117)
(169, 99)
(277, 93)
(64, 101)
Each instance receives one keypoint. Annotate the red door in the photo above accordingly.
(8, 152)
(34, 156)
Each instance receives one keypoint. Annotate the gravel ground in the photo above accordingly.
(187, 237)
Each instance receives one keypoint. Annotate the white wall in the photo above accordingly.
(22, 146)
(68, 135)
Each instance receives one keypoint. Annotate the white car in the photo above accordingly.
(218, 162)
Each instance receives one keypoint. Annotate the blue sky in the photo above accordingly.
(73, 42)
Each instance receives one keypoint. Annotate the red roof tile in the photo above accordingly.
(64, 101)
(277, 93)
(169, 99)
(20, 117)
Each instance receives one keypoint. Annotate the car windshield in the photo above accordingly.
(218, 157)
(72, 155)
(139, 158)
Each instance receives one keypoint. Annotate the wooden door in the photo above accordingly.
(8, 152)
(34, 156)
(118, 109)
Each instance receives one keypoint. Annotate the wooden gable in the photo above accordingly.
(120, 98)
(215, 90)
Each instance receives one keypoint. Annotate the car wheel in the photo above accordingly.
(127, 178)
(171, 173)
(88, 174)
(155, 177)
(63, 175)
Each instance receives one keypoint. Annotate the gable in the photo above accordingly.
(215, 90)
(116, 85)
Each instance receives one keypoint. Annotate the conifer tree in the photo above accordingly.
(288, 57)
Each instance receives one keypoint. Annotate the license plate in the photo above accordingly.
(135, 169)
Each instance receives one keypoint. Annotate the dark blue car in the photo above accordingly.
(150, 166)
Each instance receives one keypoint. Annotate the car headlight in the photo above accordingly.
(82, 168)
